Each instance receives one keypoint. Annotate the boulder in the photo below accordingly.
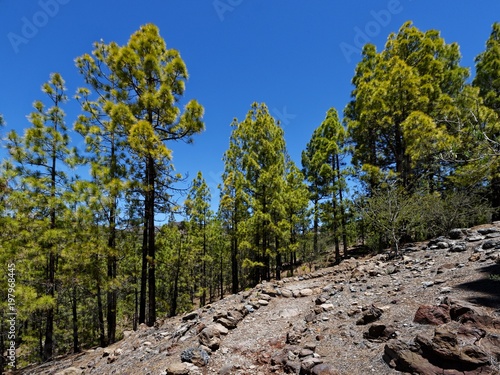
(380, 333)
(324, 369)
(370, 314)
(177, 369)
(210, 337)
(490, 244)
(489, 230)
(457, 233)
(445, 349)
(269, 290)
(435, 315)
(191, 316)
(308, 364)
(196, 356)
(228, 323)
(306, 292)
(459, 247)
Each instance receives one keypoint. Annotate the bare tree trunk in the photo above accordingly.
(76, 345)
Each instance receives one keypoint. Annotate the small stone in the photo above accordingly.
(306, 292)
(320, 300)
(177, 369)
(475, 257)
(311, 317)
(265, 297)
(327, 306)
(443, 245)
(456, 233)
(308, 363)
(305, 353)
(490, 244)
(370, 314)
(196, 356)
(310, 345)
(324, 369)
(210, 337)
(228, 323)
(286, 293)
(191, 316)
(223, 330)
(458, 247)
(263, 302)
(485, 231)
(475, 238)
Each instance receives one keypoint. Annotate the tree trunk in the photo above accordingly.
(111, 261)
(234, 259)
(221, 275)
(203, 297)
(175, 287)
(48, 348)
(315, 228)
(278, 266)
(74, 305)
(111, 301)
(100, 315)
(144, 268)
(151, 244)
(342, 209)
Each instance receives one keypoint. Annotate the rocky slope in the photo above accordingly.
(435, 310)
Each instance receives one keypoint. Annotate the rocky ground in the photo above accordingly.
(435, 310)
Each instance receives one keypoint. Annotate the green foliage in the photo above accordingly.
(391, 213)
(398, 117)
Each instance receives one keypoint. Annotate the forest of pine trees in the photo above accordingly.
(416, 154)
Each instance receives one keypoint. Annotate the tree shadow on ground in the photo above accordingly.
(487, 287)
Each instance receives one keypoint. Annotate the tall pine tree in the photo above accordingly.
(150, 83)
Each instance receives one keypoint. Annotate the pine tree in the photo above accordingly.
(487, 79)
(150, 83)
(233, 206)
(42, 156)
(401, 101)
(257, 172)
(296, 218)
(326, 177)
(199, 216)
(104, 129)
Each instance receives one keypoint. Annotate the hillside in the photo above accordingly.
(359, 317)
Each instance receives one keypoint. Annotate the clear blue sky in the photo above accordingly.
(296, 56)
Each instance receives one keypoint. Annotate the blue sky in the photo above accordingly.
(296, 56)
